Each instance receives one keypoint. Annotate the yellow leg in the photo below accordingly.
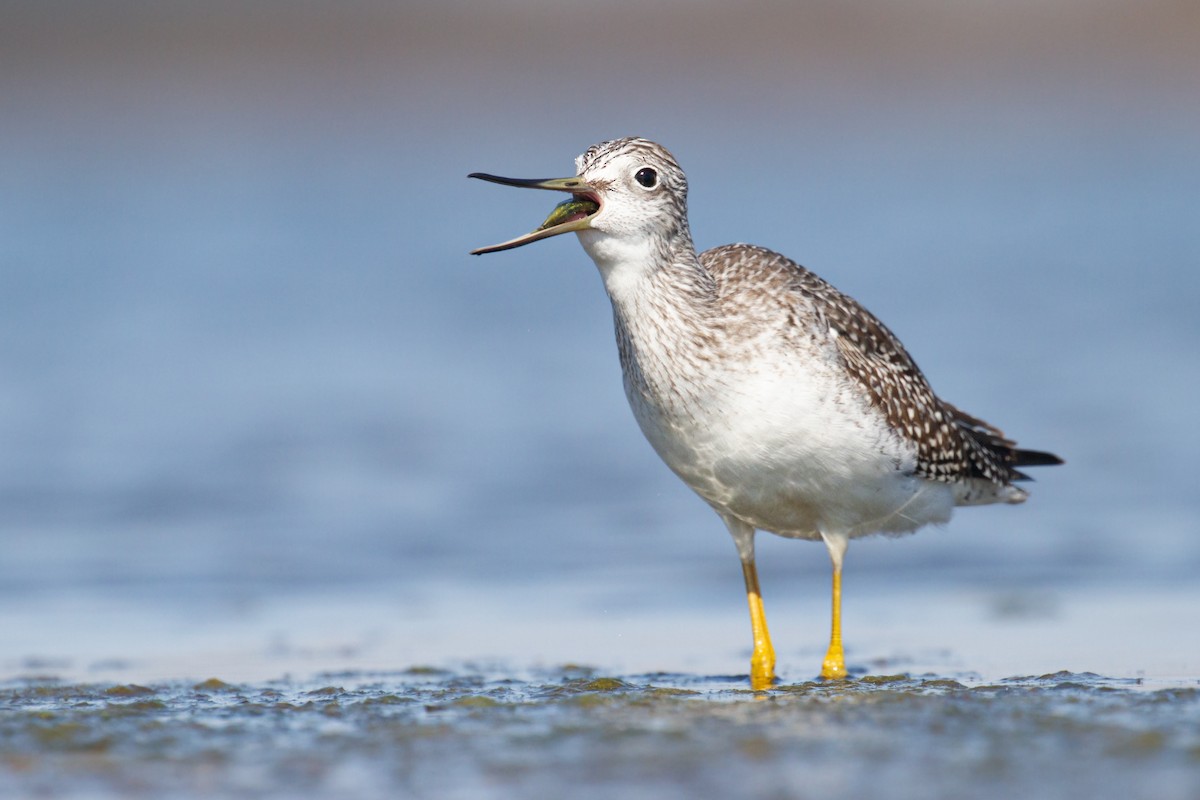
(762, 661)
(834, 667)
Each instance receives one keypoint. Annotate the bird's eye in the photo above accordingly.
(646, 177)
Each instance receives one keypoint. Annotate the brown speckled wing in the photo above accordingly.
(951, 446)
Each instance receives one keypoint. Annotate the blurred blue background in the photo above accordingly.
(246, 362)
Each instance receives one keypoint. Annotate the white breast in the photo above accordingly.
(782, 442)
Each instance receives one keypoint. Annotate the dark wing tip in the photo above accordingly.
(1035, 458)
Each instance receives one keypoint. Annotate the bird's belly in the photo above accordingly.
(812, 462)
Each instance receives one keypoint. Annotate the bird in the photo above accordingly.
(782, 402)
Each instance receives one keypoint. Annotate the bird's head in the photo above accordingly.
(627, 196)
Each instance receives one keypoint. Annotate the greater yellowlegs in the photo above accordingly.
(779, 400)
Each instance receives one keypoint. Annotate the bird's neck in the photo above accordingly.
(664, 307)
(633, 268)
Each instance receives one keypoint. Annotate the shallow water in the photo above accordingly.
(426, 732)
(262, 418)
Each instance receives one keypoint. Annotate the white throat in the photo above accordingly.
(624, 262)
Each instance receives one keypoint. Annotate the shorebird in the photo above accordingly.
(782, 402)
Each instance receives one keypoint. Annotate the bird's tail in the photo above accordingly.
(1002, 449)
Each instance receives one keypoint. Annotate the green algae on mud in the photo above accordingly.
(431, 733)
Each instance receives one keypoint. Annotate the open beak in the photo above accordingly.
(573, 214)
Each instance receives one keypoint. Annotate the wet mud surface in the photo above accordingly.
(427, 732)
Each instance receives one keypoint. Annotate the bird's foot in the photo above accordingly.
(834, 666)
(762, 668)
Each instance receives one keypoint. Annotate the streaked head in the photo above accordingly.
(628, 190)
